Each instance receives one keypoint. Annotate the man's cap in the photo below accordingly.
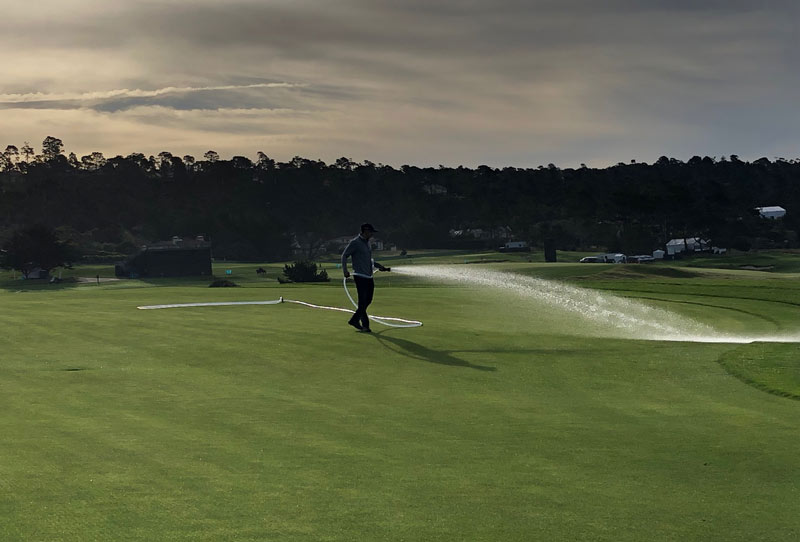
(368, 226)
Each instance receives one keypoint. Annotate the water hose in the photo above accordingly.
(214, 304)
(384, 320)
(380, 319)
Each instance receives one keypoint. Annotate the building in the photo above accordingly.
(435, 189)
(338, 244)
(686, 244)
(500, 232)
(177, 258)
(515, 246)
(772, 212)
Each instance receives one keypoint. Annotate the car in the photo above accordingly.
(590, 259)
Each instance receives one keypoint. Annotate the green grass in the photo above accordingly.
(774, 368)
(781, 261)
(497, 420)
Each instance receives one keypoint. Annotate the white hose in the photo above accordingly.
(216, 304)
(380, 319)
(385, 320)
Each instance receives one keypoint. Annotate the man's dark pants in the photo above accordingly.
(365, 288)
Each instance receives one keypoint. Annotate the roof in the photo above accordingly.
(178, 243)
(689, 240)
(771, 209)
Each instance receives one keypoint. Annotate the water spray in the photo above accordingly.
(615, 316)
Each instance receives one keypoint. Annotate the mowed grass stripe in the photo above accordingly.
(774, 368)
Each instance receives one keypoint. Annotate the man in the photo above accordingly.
(361, 252)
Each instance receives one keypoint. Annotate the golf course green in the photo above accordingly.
(505, 417)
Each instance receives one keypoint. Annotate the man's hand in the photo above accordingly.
(346, 274)
(382, 268)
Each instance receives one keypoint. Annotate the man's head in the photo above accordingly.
(367, 230)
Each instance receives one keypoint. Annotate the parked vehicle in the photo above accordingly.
(613, 258)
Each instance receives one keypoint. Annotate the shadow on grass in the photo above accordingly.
(37, 285)
(417, 351)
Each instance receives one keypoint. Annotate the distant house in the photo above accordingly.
(515, 246)
(435, 189)
(471, 233)
(295, 246)
(338, 244)
(772, 212)
(180, 257)
(500, 232)
(686, 244)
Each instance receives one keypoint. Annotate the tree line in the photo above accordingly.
(264, 210)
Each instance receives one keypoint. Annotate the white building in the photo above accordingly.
(772, 212)
(686, 244)
(515, 246)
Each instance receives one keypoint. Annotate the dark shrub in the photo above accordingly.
(303, 271)
(223, 283)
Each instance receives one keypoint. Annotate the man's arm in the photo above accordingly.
(347, 251)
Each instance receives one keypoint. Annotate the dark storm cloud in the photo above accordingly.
(420, 42)
(297, 28)
(484, 78)
(511, 39)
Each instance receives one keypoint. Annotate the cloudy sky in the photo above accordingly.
(423, 82)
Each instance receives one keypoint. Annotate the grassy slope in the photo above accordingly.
(492, 422)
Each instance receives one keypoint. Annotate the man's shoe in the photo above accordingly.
(355, 324)
(365, 330)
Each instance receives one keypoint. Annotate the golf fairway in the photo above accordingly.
(500, 419)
